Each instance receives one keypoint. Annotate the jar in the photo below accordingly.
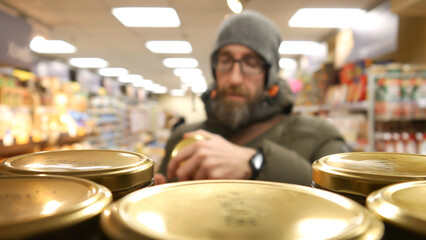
(237, 209)
(120, 171)
(402, 207)
(186, 142)
(51, 207)
(357, 174)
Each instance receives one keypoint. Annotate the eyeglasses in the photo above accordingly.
(249, 65)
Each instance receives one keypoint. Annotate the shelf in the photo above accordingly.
(355, 106)
(399, 119)
(30, 147)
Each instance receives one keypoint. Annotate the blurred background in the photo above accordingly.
(108, 74)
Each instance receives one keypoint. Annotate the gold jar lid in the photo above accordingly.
(117, 170)
(185, 142)
(401, 204)
(237, 209)
(361, 173)
(31, 205)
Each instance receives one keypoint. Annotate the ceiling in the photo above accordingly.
(90, 26)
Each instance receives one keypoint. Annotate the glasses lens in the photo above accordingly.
(224, 63)
(251, 65)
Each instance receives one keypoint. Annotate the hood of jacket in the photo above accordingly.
(260, 34)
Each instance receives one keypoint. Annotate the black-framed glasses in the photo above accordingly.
(249, 64)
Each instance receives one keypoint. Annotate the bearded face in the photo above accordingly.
(240, 79)
(235, 114)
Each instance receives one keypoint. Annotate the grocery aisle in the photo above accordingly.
(376, 99)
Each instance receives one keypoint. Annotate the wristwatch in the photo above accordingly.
(256, 163)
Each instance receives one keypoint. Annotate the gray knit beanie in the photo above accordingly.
(255, 31)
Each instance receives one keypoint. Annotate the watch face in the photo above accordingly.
(257, 161)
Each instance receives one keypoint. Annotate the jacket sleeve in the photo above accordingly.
(171, 143)
(283, 165)
(290, 149)
(329, 142)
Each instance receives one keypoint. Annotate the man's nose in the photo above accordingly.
(236, 75)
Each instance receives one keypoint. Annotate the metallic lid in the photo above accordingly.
(401, 204)
(237, 209)
(361, 173)
(185, 142)
(116, 170)
(31, 205)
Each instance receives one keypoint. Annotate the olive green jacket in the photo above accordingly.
(289, 148)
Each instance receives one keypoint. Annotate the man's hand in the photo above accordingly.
(159, 179)
(212, 158)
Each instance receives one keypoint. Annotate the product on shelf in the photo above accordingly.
(392, 115)
(399, 94)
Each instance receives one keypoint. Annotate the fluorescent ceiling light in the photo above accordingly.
(288, 63)
(157, 88)
(192, 79)
(160, 90)
(144, 83)
(41, 45)
(88, 62)
(180, 62)
(301, 47)
(131, 78)
(177, 92)
(180, 72)
(325, 17)
(199, 87)
(235, 5)
(169, 46)
(147, 16)
(113, 72)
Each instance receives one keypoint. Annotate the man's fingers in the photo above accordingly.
(203, 133)
(159, 179)
(184, 154)
(187, 169)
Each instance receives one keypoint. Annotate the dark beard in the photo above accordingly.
(235, 115)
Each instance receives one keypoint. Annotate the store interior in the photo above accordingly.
(366, 76)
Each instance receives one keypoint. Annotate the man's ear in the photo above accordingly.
(213, 94)
(273, 90)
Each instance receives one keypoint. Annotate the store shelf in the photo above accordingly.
(399, 119)
(31, 146)
(390, 92)
(355, 106)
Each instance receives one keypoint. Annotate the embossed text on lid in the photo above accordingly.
(34, 204)
(237, 209)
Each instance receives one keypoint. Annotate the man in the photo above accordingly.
(249, 132)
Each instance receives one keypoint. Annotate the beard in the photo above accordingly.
(234, 114)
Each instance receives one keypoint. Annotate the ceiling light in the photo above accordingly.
(177, 92)
(144, 83)
(301, 47)
(180, 62)
(169, 46)
(235, 5)
(112, 72)
(88, 62)
(131, 78)
(157, 88)
(192, 79)
(41, 45)
(288, 63)
(199, 87)
(147, 16)
(325, 17)
(180, 72)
